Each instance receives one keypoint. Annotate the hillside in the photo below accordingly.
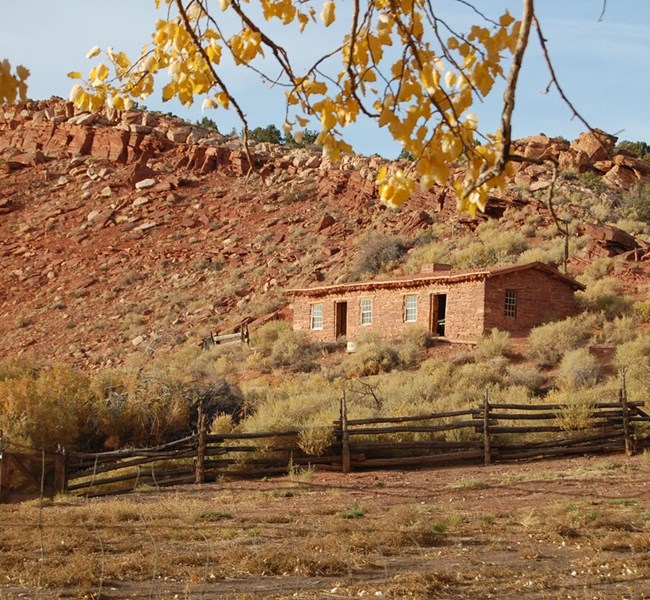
(121, 232)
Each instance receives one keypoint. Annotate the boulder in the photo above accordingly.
(139, 172)
(621, 177)
(325, 222)
(596, 144)
(614, 240)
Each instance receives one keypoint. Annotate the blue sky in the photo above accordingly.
(603, 66)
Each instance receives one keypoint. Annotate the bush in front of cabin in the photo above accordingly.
(578, 369)
(373, 355)
(548, 343)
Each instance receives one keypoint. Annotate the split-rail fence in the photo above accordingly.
(488, 433)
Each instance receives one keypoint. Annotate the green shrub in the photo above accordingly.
(578, 369)
(548, 343)
(642, 310)
(606, 296)
(592, 180)
(293, 350)
(639, 198)
(43, 407)
(263, 338)
(579, 406)
(598, 268)
(413, 341)
(371, 357)
(496, 344)
(429, 253)
(479, 375)
(316, 439)
(525, 375)
(551, 253)
(380, 253)
(633, 358)
(277, 342)
(621, 329)
(152, 400)
(492, 248)
(300, 402)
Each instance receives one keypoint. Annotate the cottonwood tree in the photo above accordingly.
(402, 63)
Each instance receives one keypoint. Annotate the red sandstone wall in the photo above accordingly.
(473, 307)
(464, 318)
(540, 298)
(465, 310)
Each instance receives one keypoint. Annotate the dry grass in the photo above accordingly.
(517, 529)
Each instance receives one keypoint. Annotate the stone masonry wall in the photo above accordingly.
(464, 316)
(540, 298)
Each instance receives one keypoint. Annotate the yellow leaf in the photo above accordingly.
(303, 19)
(74, 75)
(168, 92)
(22, 72)
(222, 98)
(94, 51)
(76, 93)
(214, 53)
(506, 19)
(327, 15)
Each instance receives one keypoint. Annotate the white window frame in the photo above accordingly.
(410, 308)
(510, 306)
(366, 311)
(316, 316)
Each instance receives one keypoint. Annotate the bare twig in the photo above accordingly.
(217, 79)
(509, 99)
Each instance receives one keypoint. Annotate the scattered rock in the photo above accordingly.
(614, 240)
(325, 222)
(136, 341)
(145, 184)
(139, 201)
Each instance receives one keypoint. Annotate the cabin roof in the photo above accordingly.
(444, 277)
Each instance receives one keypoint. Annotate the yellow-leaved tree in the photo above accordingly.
(12, 85)
(401, 63)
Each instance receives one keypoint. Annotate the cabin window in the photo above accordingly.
(366, 311)
(317, 316)
(410, 308)
(511, 304)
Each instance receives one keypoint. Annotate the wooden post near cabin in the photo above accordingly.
(625, 409)
(60, 470)
(345, 438)
(199, 466)
(4, 472)
(487, 454)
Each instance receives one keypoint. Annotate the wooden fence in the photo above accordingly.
(491, 432)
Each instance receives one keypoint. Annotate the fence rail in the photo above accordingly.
(488, 433)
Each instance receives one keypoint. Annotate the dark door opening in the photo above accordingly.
(341, 323)
(438, 313)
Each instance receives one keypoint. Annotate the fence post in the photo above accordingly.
(345, 438)
(4, 471)
(199, 467)
(625, 409)
(487, 454)
(60, 470)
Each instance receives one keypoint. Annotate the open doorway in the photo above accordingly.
(341, 319)
(438, 314)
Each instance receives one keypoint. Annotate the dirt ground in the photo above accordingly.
(577, 528)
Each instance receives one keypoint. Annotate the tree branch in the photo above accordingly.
(509, 99)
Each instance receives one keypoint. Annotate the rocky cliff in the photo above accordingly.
(137, 230)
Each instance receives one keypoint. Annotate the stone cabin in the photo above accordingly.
(457, 305)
